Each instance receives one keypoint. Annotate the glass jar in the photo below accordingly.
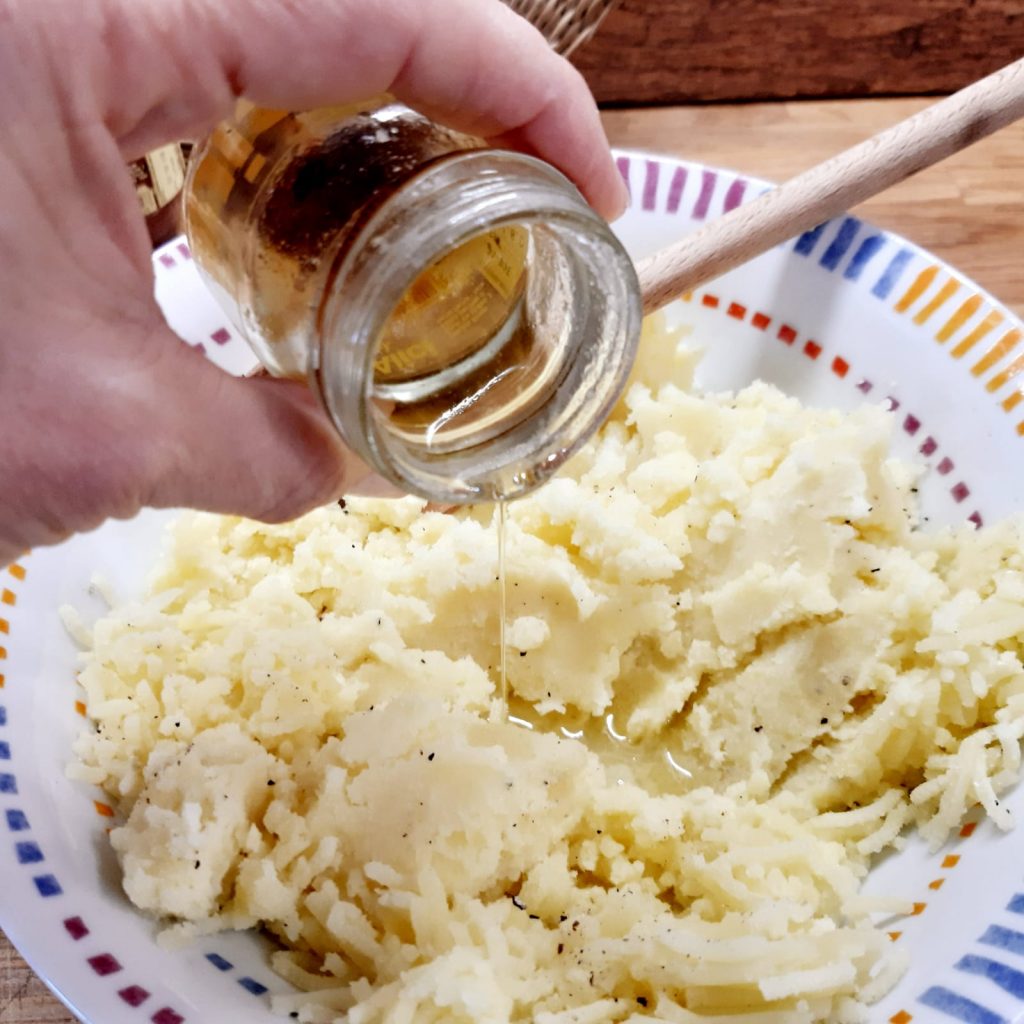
(465, 317)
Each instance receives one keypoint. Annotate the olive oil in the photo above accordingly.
(649, 763)
(460, 361)
(465, 318)
(502, 609)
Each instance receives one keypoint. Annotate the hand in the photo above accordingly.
(102, 409)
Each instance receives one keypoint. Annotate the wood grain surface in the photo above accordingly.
(970, 211)
(672, 51)
(24, 999)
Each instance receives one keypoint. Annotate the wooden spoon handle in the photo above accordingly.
(834, 186)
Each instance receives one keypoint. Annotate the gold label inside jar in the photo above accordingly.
(455, 307)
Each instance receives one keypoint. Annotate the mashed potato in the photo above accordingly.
(299, 725)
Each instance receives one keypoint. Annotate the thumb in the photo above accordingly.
(255, 447)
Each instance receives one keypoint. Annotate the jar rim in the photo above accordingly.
(451, 201)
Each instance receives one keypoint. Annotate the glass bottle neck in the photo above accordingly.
(457, 341)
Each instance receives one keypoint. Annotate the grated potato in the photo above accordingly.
(299, 725)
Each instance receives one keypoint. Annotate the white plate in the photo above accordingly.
(845, 313)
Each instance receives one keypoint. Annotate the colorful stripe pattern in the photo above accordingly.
(974, 329)
(841, 366)
(997, 957)
(177, 256)
(251, 985)
(972, 326)
(29, 855)
(950, 861)
(714, 193)
(956, 314)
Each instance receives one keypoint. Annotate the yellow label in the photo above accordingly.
(396, 362)
(504, 258)
(454, 306)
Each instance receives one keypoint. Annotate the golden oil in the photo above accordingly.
(465, 318)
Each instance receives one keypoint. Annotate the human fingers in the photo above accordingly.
(258, 447)
(171, 69)
(165, 428)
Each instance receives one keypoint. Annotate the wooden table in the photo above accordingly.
(970, 211)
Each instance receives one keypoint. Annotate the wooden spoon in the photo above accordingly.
(832, 187)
